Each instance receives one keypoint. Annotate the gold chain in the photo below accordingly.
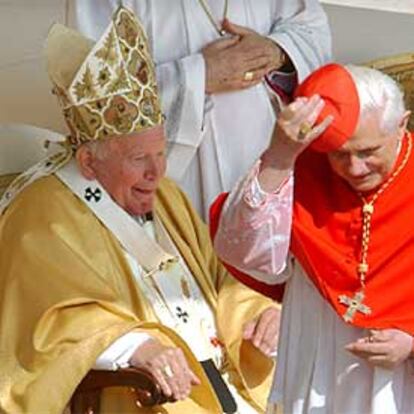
(207, 10)
(368, 210)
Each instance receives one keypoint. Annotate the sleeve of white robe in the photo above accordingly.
(118, 354)
(182, 85)
(301, 28)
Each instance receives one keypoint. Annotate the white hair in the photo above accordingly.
(99, 149)
(379, 93)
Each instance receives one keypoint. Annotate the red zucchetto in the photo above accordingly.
(336, 86)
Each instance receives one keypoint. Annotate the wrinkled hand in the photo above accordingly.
(288, 141)
(263, 331)
(383, 348)
(169, 367)
(253, 42)
(227, 60)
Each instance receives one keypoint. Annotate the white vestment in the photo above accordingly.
(315, 374)
(213, 140)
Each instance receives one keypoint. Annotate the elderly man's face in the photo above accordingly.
(132, 168)
(366, 159)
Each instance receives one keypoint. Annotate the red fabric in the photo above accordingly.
(326, 241)
(273, 291)
(335, 85)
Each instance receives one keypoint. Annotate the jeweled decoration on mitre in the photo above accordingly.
(114, 91)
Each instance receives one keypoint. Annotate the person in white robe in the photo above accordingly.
(219, 115)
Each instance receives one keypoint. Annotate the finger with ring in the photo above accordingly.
(369, 339)
(166, 369)
(248, 76)
(304, 130)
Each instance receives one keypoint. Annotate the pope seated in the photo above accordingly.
(104, 263)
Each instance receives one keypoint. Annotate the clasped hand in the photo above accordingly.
(385, 348)
(228, 60)
(169, 367)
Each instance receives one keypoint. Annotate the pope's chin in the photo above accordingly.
(140, 203)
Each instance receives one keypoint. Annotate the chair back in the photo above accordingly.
(400, 68)
(21, 146)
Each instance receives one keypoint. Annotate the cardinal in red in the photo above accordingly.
(328, 209)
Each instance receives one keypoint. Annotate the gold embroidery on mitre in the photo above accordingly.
(113, 91)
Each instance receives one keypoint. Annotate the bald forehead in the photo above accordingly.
(368, 134)
(143, 142)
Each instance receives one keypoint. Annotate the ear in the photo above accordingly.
(404, 120)
(85, 161)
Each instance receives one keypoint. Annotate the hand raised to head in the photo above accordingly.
(295, 130)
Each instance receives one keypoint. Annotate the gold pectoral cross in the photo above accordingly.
(354, 305)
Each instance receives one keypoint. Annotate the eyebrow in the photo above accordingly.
(367, 149)
(135, 153)
(373, 148)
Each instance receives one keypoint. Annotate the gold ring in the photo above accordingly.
(248, 76)
(370, 339)
(166, 369)
(304, 130)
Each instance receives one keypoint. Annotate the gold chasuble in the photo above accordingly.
(67, 292)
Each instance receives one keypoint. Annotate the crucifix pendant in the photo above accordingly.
(354, 304)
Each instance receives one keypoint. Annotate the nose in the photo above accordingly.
(356, 166)
(152, 169)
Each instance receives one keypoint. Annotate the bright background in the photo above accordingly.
(362, 30)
